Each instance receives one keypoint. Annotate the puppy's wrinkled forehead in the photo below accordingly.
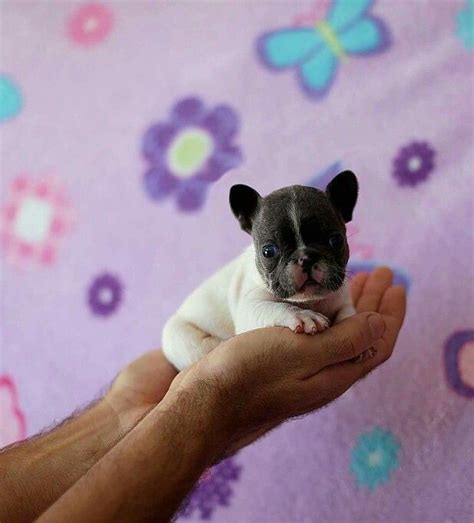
(287, 213)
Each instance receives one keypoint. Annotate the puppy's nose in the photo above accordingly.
(306, 256)
(303, 260)
(306, 262)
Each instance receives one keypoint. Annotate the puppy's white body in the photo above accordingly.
(236, 300)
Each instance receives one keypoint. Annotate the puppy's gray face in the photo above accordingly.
(300, 242)
(300, 236)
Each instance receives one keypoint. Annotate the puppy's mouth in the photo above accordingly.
(307, 286)
(310, 290)
(310, 285)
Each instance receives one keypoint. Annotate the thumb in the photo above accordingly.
(351, 337)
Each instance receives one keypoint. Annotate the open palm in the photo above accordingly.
(144, 383)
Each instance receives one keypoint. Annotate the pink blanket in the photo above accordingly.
(122, 127)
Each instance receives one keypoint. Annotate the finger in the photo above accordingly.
(357, 284)
(393, 309)
(336, 379)
(393, 303)
(345, 340)
(375, 286)
(333, 381)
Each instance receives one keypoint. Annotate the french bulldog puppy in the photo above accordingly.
(293, 275)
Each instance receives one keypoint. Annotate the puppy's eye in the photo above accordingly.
(270, 250)
(336, 241)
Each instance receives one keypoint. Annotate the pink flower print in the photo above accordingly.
(12, 420)
(35, 216)
(90, 24)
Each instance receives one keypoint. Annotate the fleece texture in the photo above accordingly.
(123, 126)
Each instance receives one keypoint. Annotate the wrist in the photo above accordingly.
(126, 414)
(200, 410)
(102, 424)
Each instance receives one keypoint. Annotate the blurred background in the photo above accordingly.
(123, 126)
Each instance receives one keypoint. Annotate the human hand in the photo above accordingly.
(261, 378)
(144, 383)
(139, 387)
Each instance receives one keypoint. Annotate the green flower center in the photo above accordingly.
(189, 151)
(375, 458)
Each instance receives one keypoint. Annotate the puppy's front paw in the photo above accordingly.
(307, 321)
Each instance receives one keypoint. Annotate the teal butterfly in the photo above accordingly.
(349, 29)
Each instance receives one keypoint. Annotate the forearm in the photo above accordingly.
(148, 473)
(34, 474)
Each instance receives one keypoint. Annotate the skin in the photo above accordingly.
(135, 454)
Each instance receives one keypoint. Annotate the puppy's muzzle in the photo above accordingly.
(306, 270)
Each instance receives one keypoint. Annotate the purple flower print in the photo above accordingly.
(105, 294)
(413, 163)
(189, 151)
(459, 362)
(213, 489)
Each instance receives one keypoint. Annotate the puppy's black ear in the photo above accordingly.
(342, 191)
(244, 202)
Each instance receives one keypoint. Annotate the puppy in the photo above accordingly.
(294, 274)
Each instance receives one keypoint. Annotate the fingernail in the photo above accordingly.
(376, 325)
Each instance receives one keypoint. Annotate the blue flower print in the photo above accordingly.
(10, 98)
(465, 24)
(374, 458)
